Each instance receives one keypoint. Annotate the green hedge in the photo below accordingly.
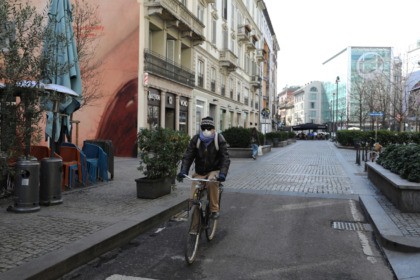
(403, 160)
(384, 137)
(239, 137)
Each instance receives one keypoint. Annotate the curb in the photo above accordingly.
(71, 256)
(388, 233)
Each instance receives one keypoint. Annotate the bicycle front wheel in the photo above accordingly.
(211, 229)
(193, 234)
(211, 224)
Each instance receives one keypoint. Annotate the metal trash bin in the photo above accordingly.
(50, 181)
(26, 190)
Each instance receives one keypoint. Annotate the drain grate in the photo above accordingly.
(351, 226)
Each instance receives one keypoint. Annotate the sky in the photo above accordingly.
(309, 32)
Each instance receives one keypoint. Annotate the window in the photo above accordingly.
(238, 90)
(213, 79)
(231, 86)
(214, 31)
(232, 19)
(199, 114)
(200, 73)
(170, 50)
(224, 9)
(225, 40)
(312, 96)
(314, 89)
(246, 96)
(200, 12)
(222, 85)
(153, 115)
(312, 105)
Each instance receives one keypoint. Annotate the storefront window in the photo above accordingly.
(199, 114)
(183, 121)
(153, 114)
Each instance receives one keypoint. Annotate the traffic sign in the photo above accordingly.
(376, 114)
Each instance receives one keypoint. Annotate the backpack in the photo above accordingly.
(216, 143)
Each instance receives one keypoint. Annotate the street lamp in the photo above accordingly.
(336, 103)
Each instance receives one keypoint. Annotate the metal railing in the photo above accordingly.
(162, 66)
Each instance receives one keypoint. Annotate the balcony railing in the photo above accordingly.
(161, 66)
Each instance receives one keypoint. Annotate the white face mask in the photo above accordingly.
(207, 133)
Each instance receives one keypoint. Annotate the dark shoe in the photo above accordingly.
(254, 157)
(214, 215)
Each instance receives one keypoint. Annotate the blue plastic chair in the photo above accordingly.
(97, 161)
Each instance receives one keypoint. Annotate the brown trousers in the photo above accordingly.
(212, 189)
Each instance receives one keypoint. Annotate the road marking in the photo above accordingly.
(123, 277)
(303, 205)
(364, 241)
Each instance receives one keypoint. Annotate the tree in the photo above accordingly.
(23, 31)
(86, 27)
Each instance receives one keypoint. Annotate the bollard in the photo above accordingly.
(50, 181)
(26, 190)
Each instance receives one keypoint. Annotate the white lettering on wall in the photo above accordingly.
(153, 96)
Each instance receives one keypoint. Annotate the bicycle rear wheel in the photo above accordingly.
(193, 234)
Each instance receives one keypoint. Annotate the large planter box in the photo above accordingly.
(153, 188)
(405, 195)
(283, 143)
(246, 152)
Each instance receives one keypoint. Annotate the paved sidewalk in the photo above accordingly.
(93, 220)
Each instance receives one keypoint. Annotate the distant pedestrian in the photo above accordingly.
(255, 142)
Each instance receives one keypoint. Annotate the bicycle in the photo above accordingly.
(199, 218)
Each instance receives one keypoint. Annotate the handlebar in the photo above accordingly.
(199, 179)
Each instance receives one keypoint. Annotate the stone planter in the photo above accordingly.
(153, 188)
(283, 143)
(405, 195)
(246, 152)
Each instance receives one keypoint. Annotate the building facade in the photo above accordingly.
(170, 63)
(206, 58)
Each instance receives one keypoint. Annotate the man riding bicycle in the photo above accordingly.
(209, 151)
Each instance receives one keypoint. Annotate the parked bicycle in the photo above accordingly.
(199, 218)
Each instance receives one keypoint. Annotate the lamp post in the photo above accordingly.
(336, 103)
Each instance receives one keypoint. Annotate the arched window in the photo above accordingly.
(314, 89)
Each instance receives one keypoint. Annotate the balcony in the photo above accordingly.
(243, 34)
(161, 66)
(260, 55)
(228, 60)
(179, 16)
(255, 81)
(251, 44)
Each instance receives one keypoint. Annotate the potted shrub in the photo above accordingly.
(160, 151)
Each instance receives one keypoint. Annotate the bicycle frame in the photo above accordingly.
(200, 209)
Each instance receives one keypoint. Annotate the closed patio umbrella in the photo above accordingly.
(63, 68)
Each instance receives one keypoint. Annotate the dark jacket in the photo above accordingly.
(208, 158)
